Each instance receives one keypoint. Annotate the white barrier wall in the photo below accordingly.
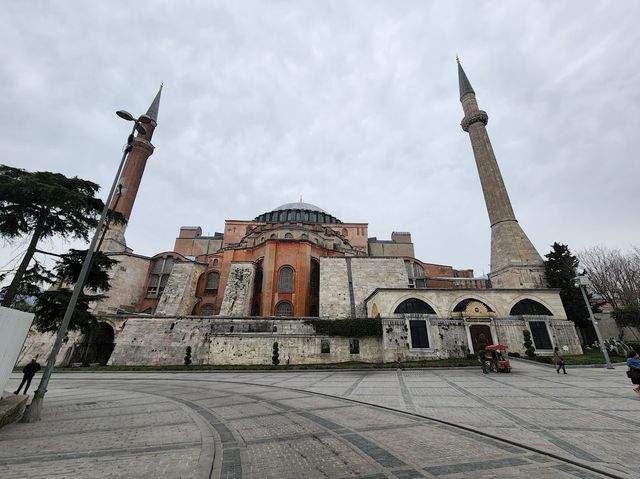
(14, 326)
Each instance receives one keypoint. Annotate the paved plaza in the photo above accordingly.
(328, 424)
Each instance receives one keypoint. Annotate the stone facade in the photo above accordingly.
(178, 297)
(127, 279)
(239, 290)
(345, 283)
(444, 301)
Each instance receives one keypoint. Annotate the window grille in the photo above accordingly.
(354, 346)
(211, 288)
(285, 280)
(325, 346)
(207, 310)
(419, 336)
(284, 308)
(540, 335)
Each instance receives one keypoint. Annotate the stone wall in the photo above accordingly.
(239, 290)
(127, 279)
(258, 349)
(163, 341)
(367, 274)
(178, 297)
(609, 329)
(447, 339)
(40, 345)
(562, 333)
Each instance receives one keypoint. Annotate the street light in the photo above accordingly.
(33, 411)
(583, 282)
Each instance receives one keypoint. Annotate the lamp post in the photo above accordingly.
(33, 411)
(583, 282)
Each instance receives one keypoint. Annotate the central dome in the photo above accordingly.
(299, 206)
(298, 213)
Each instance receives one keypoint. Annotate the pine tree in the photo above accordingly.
(561, 272)
(50, 305)
(44, 204)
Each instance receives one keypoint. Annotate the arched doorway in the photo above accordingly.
(475, 330)
(101, 346)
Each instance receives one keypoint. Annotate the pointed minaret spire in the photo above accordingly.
(465, 86)
(152, 112)
(130, 179)
(515, 263)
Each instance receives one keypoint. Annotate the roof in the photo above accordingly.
(299, 206)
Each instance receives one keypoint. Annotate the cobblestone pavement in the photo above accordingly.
(324, 425)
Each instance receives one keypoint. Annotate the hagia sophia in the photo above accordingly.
(229, 297)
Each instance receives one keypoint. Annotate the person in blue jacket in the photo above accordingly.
(633, 361)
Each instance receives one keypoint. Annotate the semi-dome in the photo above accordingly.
(297, 212)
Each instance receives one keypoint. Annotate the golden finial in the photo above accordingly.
(300, 198)
(457, 59)
(161, 85)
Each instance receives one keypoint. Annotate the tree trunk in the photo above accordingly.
(12, 290)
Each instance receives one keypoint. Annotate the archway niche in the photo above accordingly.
(529, 307)
(100, 346)
(414, 306)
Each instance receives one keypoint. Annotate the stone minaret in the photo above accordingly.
(515, 263)
(114, 241)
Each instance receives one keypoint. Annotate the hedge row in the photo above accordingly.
(348, 328)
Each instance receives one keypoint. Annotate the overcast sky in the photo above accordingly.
(352, 104)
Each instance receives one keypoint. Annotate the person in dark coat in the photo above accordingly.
(633, 361)
(28, 371)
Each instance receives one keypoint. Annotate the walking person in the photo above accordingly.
(482, 357)
(558, 358)
(633, 361)
(28, 372)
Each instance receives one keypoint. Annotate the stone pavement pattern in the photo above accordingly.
(274, 425)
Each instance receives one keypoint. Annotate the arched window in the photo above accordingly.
(273, 236)
(288, 236)
(160, 271)
(285, 280)
(207, 310)
(215, 262)
(345, 232)
(211, 288)
(529, 307)
(414, 306)
(284, 308)
(304, 236)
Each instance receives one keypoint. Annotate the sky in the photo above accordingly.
(352, 104)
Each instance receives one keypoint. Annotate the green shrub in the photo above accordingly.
(187, 357)
(634, 345)
(514, 354)
(275, 359)
(348, 328)
(472, 356)
(530, 350)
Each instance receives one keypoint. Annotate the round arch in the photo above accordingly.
(414, 306)
(529, 307)
(413, 295)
